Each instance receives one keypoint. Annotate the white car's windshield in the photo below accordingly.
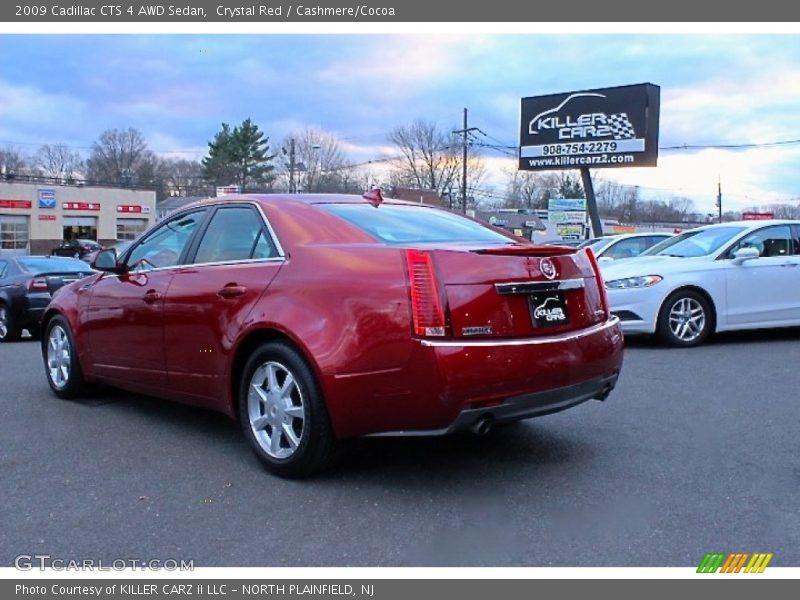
(700, 242)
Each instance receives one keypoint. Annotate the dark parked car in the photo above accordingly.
(77, 248)
(312, 319)
(26, 286)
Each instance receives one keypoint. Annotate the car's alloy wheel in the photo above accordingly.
(283, 413)
(8, 331)
(61, 363)
(275, 410)
(685, 319)
(59, 357)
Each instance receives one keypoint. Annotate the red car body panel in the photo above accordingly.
(343, 299)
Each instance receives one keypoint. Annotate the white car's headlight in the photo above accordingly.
(633, 282)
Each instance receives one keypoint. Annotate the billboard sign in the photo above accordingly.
(567, 216)
(608, 127)
(757, 216)
(570, 231)
(566, 204)
(47, 198)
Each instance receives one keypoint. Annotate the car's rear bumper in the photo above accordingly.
(31, 308)
(451, 385)
(521, 407)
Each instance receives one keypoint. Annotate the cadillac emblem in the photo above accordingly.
(547, 268)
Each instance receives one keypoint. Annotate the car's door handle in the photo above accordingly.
(232, 291)
(151, 296)
(791, 264)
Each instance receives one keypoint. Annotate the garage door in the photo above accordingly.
(81, 228)
(14, 233)
(129, 229)
(81, 221)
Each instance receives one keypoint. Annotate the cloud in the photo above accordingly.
(31, 104)
(177, 89)
(400, 65)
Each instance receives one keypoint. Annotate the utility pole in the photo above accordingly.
(719, 200)
(591, 203)
(464, 143)
(292, 188)
(464, 166)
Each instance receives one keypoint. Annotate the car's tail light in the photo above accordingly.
(427, 309)
(599, 278)
(38, 284)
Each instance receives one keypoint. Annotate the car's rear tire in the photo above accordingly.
(61, 364)
(283, 414)
(685, 319)
(9, 330)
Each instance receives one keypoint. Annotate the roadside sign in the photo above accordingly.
(598, 128)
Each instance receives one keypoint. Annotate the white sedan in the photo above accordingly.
(626, 245)
(739, 275)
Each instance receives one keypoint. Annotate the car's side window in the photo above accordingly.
(164, 247)
(651, 241)
(770, 241)
(234, 233)
(796, 236)
(626, 248)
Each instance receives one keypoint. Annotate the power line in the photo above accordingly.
(690, 146)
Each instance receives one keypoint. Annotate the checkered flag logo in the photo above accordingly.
(621, 127)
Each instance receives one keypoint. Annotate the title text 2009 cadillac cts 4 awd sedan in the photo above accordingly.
(312, 319)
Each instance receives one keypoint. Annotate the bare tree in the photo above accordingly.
(527, 189)
(12, 162)
(320, 163)
(429, 157)
(121, 157)
(58, 162)
(183, 177)
(785, 211)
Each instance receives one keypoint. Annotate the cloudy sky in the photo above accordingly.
(177, 89)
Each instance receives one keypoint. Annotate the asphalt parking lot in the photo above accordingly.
(696, 451)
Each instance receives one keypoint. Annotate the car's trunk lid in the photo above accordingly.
(516, 291)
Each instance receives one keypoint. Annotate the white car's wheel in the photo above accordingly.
(685, 319)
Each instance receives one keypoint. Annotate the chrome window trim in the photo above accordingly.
(550, 339)
(274, 259)
(527, 287)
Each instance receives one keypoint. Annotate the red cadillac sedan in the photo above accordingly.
(316, 318)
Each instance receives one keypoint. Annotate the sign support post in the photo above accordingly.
(591, 203)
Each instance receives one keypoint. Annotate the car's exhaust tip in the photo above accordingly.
(482, 426)
(605, 393)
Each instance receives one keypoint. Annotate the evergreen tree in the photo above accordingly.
(240, 156)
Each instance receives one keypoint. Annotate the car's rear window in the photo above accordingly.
(400, 224)
(52, 265)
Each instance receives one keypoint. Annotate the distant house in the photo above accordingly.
(169, 205)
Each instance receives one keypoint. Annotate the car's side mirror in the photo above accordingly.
(745, 253)
(106, 260)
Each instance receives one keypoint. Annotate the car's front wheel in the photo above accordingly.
(685, 319)
(61, 363)
(283, 414)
